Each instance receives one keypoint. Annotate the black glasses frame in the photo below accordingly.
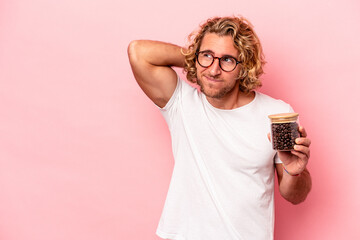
(219, 58)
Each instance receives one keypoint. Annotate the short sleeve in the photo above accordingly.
(173, 98)
(171, 110)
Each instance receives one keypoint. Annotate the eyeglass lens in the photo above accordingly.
(227, 63)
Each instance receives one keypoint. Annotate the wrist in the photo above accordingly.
(291, 174)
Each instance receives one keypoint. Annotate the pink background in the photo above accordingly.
(85, 155)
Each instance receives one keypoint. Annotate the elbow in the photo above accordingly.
(132, 50)
(296, 198)
(297, 201)
(137, 51)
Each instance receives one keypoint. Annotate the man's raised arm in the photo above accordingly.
(151, 63)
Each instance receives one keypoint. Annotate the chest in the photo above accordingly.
(232, 140)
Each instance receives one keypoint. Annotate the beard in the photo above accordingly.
(211, 92)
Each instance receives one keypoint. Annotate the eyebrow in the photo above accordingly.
(210, 51)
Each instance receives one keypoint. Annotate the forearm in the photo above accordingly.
(156, 53)
(295, 188)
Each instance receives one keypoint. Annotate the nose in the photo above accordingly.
(215, 67)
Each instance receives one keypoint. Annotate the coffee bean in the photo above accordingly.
(284, 135)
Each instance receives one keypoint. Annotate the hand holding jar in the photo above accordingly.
(291, 142)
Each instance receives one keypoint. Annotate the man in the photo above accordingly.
(222, 186)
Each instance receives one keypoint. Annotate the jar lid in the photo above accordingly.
(283, 117)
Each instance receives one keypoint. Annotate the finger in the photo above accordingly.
(302, 131)
(300, 155)
(303, 141)
(302, 149)
(268, 135)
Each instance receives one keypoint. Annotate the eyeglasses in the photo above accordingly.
(226, 63)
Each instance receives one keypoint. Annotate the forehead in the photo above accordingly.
(220, 45)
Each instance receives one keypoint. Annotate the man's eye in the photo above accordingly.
(228, 59)
(207, 55)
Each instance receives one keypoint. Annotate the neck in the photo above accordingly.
(232, 100)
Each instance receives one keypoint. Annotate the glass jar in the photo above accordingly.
(284, 131)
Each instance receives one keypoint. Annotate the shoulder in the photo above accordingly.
(272, 104)
(183, 90)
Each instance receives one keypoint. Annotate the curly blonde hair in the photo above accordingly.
(245, 40)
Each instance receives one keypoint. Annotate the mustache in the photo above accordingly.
(215, 77)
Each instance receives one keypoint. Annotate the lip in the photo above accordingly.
(212, 79)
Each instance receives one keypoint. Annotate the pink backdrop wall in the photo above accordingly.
(85, 155)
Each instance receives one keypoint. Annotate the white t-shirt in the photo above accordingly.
(222, 186)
